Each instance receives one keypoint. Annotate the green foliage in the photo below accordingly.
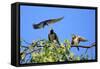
(50, 52)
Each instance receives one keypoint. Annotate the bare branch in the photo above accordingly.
(24, 46)
(83, 46)
(32, 51)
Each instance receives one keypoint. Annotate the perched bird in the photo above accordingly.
(53, 37)
(42, 24)
(76, 40)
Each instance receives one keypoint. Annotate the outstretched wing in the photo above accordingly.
(46, 22)
(51, 21)
(40, 25)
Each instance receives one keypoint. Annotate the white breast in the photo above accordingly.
(75, 41)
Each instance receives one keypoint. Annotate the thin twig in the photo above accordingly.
(83, 46)
(33, 51)
(27, 42)
(24, 46)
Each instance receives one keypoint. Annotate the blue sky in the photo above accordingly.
(76, 21)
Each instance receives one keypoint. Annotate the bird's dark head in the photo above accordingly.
(73, 36)
(51, 31)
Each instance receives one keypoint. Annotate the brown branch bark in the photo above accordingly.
(83, 46)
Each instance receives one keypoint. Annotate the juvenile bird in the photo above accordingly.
(53, 37)
(76, 40)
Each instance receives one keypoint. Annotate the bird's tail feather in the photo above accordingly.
(78, 48)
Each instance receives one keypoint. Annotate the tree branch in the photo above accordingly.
(83, 46)
(32, 51)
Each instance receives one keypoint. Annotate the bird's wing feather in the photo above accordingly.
(82, 39)
(46, 22)
(51, 21)
(40, 25)
(49, 37)
(57, 39)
